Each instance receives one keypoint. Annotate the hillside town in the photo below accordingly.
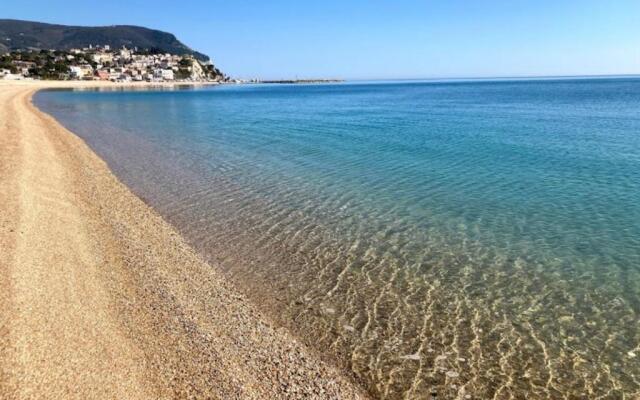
(104, 63)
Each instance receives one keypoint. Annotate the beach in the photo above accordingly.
(101, 298)
(462, 240)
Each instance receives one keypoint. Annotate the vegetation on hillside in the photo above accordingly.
(28, 35)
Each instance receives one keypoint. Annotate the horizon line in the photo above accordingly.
(452, 78)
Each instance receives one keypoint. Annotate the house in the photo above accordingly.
(125, 54)
(103, 75)
(101, 58)
(163, 74)
(167, 74)
(114, 75)
(24, 66)
(82, 71)
(13, 77)
(76, 72)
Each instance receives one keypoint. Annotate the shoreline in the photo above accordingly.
(102, 298)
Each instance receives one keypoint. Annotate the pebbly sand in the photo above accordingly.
(100, 298)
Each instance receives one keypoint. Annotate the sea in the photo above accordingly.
(463, 239)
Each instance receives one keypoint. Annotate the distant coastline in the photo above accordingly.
(300, 81)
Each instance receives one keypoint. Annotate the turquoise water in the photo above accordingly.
(451, 239)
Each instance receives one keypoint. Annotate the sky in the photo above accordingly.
(379, 39)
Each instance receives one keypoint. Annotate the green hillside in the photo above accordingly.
(22, 35)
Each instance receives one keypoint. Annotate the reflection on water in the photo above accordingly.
(452, 239)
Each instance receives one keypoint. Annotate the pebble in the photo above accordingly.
(349, 328)
(452, 374)
(566, 318)
(414, 357)
(220, 329)
(631, 354)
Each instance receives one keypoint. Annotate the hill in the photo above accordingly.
(23, 35)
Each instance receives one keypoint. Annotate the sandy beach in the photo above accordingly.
(101, 298)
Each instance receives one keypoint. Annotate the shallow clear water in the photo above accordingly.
(458, 238)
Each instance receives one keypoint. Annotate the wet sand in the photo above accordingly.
(101, 298)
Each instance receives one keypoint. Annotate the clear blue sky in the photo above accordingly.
(365, 39)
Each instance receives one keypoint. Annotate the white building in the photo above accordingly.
(81, 71)
(164, 74)
(102, 58)
(125, 54)
(13, 77)
(76, 72)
